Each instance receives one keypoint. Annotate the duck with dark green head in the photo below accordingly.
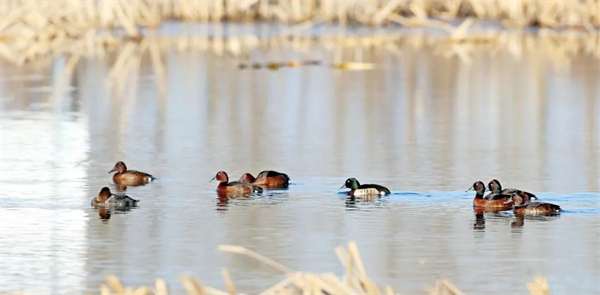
(357, 189)
(496, 190)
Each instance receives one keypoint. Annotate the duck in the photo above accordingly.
(494, 203)
(107, 199)
(234, 188)
(129, 177)
(496, 189)
(523, 208)
(364, 190)
(267, 179)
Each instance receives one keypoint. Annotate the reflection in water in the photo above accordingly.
(420, 122)
(222, 204)
(519, 221)
(104, 213)
(479, 221)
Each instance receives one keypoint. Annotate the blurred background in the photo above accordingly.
(423, 97)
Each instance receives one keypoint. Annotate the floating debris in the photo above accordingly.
(278, 65)
(353, 66)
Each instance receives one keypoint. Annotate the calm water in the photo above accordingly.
(423, 125)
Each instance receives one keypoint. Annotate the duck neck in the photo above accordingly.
(479, 195)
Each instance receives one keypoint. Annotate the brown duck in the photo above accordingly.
(234, 189)
(126, 177)
(107, 199)
(267, 179)
(495, 203)
(522, 208)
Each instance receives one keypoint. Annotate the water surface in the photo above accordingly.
(424, 125)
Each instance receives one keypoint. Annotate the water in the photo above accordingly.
(421, 124)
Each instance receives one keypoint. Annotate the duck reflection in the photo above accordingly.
(104, 213)
(479, 221)
(232, 195)
(351, 204)
(354, 204)
(520, 220)
(121, 188)
(222, 204)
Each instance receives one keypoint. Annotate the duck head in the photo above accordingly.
(104, 195)
(119, 167)
(478, 186)
(247, 177)
(494, 186)
(221, 177)
(351, 183)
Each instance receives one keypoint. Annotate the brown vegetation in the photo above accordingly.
(354, 281)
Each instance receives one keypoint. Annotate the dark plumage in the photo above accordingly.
(357, 189)
(107, 199)
(496, 192)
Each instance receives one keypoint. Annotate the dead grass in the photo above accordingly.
(27, 16)
(354, 281)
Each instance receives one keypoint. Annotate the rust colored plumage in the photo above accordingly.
(126, 177)
(492, 204)
(267, 179)
(523, 208)
(234, 189)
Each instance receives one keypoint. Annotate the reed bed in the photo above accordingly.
(25, 16)
(36, 32)
(354, 281)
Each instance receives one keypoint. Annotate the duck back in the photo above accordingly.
(537, 209)
(379, 188)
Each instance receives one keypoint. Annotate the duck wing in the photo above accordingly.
(122, 201)
(271, 173)
(378, 187)
(139, 173)
(511, 191)
(544, 206)
(494, 196)
(256, 189)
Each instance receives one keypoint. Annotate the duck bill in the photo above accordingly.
(470, 189)
(111, 171)
(213, 179)
(342, 187)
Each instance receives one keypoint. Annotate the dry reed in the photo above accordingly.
(354, 281)
(36, 32)
(76, 16)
